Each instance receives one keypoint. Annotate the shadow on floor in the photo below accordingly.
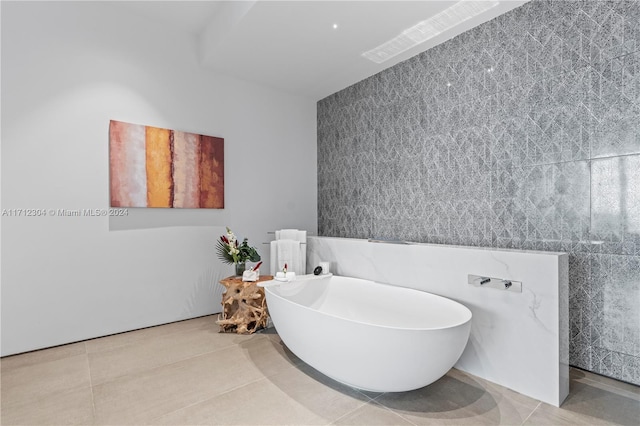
(458, 397)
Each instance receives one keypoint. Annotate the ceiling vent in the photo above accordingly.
(427, 29)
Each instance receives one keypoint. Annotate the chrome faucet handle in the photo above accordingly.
(496, 283)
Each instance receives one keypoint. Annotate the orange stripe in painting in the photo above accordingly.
(159, 183)
(211, 172)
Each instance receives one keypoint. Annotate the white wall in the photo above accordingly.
(67, 69)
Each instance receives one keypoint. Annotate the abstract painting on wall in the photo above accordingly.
(154, 167)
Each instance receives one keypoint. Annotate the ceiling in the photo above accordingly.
(293, 45)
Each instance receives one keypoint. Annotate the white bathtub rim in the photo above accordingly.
(467, 312)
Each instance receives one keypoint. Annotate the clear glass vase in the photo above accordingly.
(240, 268)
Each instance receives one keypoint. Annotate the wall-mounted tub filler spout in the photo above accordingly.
(382, 240)
(496, 283)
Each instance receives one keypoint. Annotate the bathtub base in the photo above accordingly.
(377, 390)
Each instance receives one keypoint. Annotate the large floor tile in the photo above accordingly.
(552, 416)
(590, 402)
(578, 375)
(458, 399)
(148, 353)
(319, 393)
(372, 414)
(142, 397)
(268, 354)
(33, 382)
(188, 373)
(261, 403)
(43, 355)
(74, 407)
(122, 339)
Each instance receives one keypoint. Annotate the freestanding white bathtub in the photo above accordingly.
(367, 335)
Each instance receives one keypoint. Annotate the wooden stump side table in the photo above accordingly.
(244, 307)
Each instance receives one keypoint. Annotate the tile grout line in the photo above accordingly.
(531, 413)
(221, 393)
(396, 413)
(242, 386)
(111, 379)
(93, 402)
(224, 393)
(136, 341)
(391, 409)
(210, 397)
(610, 388)
(354, 410)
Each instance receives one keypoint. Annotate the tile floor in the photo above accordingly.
(188, 373)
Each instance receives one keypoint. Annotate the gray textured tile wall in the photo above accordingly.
(524, 133)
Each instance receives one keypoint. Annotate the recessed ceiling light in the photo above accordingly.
(335, 26)
(429, 28)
